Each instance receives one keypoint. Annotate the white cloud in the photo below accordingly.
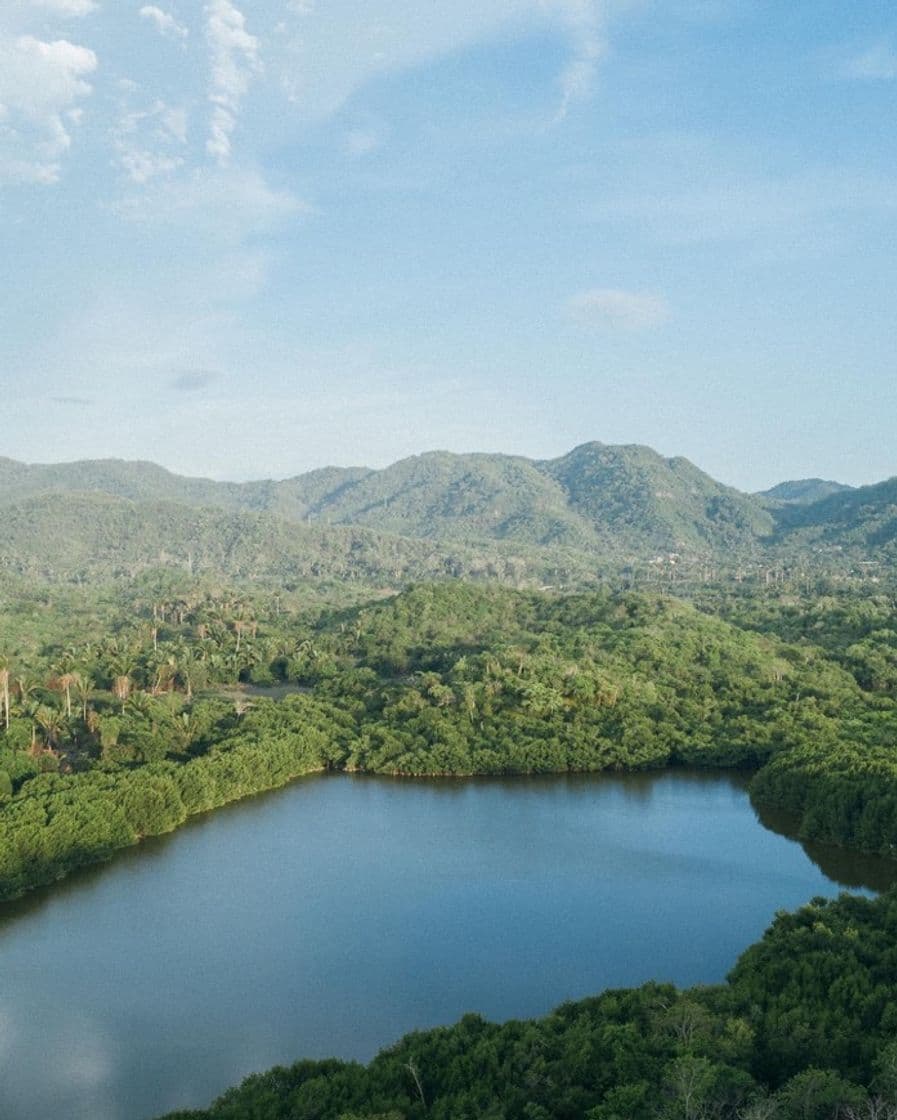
(148, 141)
(164, 22)
(585, 21)
(613, 307)
(40, 85)
(328, 51)
(234, 62)
(68, 7)
(221, 203)
(361, 142)
(877, 63)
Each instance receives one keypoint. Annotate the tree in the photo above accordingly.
(4, 692)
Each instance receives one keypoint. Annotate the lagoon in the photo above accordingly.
(333, 916)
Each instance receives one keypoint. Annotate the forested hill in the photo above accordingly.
(596, 497)
(557, 521)
(84, 537)
(804, 490)
(864, 518)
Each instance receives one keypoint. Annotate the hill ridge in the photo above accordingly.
(599, 503)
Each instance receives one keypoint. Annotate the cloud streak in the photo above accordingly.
(164, 22)
(619, 309)
(149, 141)
(68, 7)
(878, 63)
(193, 380)
(586, 23)
(234, 61)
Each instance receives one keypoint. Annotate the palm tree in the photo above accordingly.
(26, 686)
(4, 691)
(64, 684)
(187, 664)
(121, 666)
(121, 688)
(51, 723)
(83, 686)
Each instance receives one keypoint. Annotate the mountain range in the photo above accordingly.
(439, 513)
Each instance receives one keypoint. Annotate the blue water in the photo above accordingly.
(333, 916)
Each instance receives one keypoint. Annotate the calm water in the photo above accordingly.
(335, 915)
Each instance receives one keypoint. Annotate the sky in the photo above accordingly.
(248, 238)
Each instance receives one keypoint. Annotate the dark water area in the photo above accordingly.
(333, 916)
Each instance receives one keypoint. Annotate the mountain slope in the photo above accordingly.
(632, 493)
(863, 520)
(143, 481)
(803, 490)
(441, 496)
(627, 501)
(84, 537)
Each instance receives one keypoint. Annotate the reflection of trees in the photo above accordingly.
(846, 867)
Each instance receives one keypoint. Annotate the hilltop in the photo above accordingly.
(570, 519)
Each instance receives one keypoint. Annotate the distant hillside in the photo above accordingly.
(861, 521)
(440, 496)
(142, 481)
(596, 509)
(632, 493)
(77, 537)
(803, 490)
(626, 500)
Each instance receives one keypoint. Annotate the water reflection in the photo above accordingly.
(849, 869)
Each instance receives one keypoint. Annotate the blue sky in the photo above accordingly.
(247, 238)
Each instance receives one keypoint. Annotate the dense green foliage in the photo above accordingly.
(59, 822)
(803, 1030)
(804, 490)
(136, 691)
(128, 711)
(126, 735)
(89, 538)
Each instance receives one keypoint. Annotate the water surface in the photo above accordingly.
(335, 915)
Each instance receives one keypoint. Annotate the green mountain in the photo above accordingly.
(862, 522)
(803, 490)
(75, 536)
(598, 508)
(142, 481)
(631, 493)
(628, 501)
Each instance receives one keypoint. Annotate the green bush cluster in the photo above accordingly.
(60, 822)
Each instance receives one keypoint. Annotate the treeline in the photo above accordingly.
(804, 1029)
(125, 734)
(60, 822)
(89, 538)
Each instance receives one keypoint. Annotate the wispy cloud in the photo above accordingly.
(164, 22)
(585, 19)
(193, 380)
(68, 7)
(877, 62)
(710, 192)
(614, 307)
(224, 204)
(362, 141)
(149, 141)
(235, 59)
(41, 84)
(79, 402)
